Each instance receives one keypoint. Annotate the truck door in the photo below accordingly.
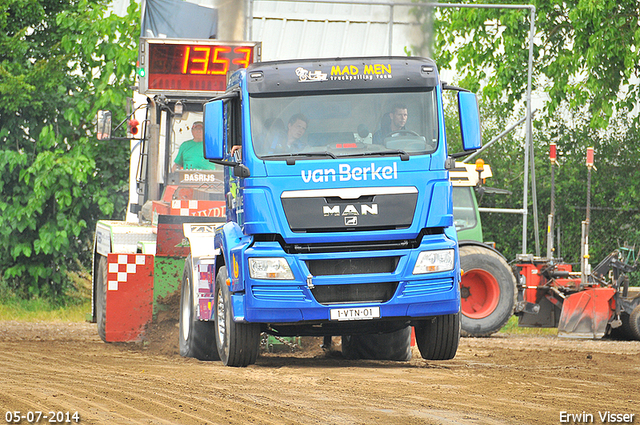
(234, 185)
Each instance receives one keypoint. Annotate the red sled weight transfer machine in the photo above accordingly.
(590, 303)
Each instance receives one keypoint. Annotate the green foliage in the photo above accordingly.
(615, 216)
(587, 61)
(585, 51)
(60, 61)
(41, 310)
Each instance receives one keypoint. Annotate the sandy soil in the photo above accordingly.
(505, 379)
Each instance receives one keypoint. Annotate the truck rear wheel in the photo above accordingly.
(238, 343)
(634, 323)
(487, 290)
(437, 338)
(197, 338)
(101, 296)
(394, 346)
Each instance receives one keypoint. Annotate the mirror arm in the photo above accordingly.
(127, 120)
(446, 86)
(461, 154)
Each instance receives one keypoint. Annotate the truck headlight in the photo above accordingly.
(269, 268)
(434, 261)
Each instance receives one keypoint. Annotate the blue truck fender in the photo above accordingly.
(231, 243)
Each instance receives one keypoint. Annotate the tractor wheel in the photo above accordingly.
(101, 296)
(487, 290)
(238, 343)
(623, 332)
(197, 338)
(394, 346)
(437, 338)
(634, 323)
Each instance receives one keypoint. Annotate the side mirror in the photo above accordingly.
(469, 121)
(213, 130)
(103, 125)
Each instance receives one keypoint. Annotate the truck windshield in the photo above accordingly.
(335, 125)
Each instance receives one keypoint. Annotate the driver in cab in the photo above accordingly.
(190, 155)
(391, 122)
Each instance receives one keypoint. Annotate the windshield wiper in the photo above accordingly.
(291, 157)
(403, 155)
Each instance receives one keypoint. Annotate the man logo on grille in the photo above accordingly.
(336, 210)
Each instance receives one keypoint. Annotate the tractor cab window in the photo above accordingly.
(464, 213)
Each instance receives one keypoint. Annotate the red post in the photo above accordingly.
(590, 157)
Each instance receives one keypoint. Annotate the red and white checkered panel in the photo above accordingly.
(179, 207)
(126, 265)
(198, 208)
(129, 303)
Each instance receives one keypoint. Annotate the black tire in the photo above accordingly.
(634, 323)
(100, 277)
(622, 332)
(437, 338)
(394, 346)
(197, 338)
(238, 343)
(487, 290)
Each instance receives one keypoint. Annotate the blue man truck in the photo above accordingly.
(339, 215)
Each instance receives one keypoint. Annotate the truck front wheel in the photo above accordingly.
(487, 290)
(197, 338)
(438, 337)
(238, 343)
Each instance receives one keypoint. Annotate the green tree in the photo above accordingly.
(60, 61)
(586, 52)
(587, 61)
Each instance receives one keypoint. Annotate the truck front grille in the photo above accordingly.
(361, 292)
(342, 266)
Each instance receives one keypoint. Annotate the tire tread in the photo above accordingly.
(201, 343)
(438, 338)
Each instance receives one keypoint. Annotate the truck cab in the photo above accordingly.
(339, 211)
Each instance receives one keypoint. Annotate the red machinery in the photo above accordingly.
(584, 304)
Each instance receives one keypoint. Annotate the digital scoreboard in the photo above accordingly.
(192, 66)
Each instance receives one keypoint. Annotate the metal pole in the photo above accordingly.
(534, 198)
(552, 157)
(495, 139)
(153, 182)
(390, 29)
(586, 269)
(249, 26)
(529, 142)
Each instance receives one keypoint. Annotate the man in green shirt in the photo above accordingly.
(191, 153)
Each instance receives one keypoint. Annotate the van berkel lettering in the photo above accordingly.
(346, 173)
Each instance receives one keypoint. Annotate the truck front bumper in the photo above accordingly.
(396, 293)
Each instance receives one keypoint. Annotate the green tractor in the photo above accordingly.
(488, 287)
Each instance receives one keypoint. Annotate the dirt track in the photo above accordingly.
(504, 379)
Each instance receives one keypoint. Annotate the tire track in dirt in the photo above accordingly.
(164, 399)
(499, 380)
(103, 386)
(66, 386)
